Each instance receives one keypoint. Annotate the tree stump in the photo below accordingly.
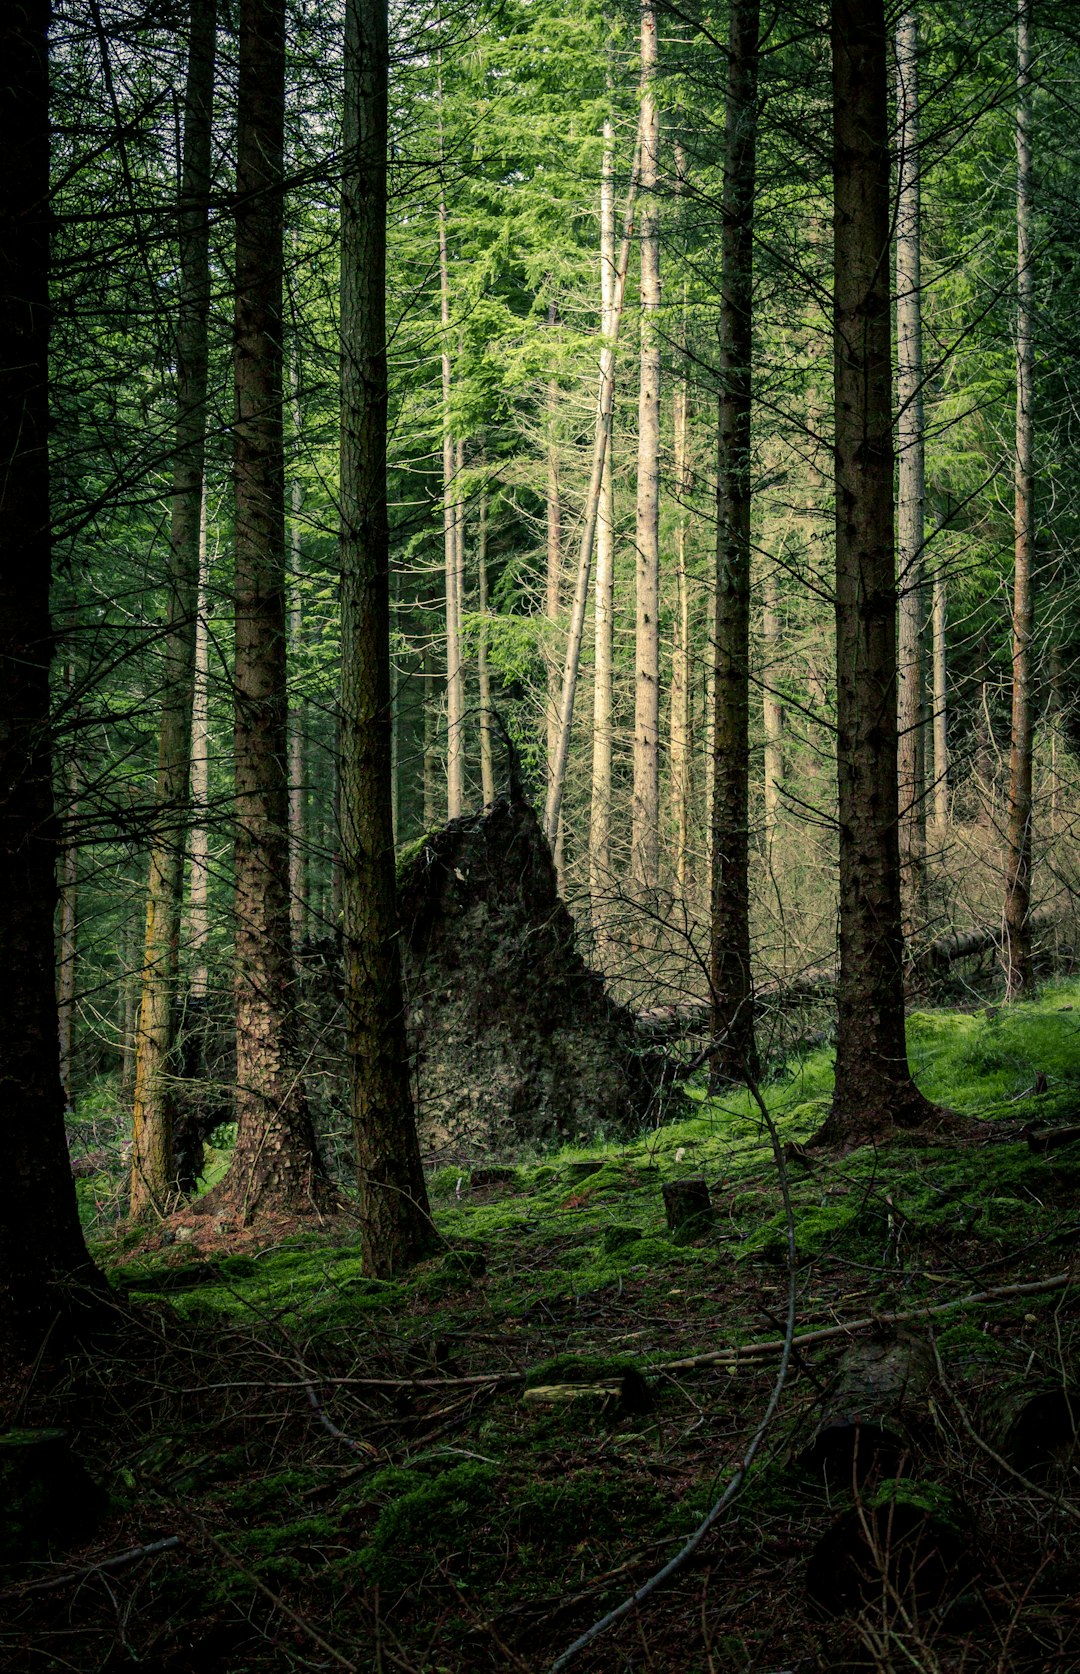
(47, 1499)
(688, 1206)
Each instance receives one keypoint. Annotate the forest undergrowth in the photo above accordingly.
(464, 1467)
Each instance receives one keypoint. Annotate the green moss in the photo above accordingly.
(442, 1523)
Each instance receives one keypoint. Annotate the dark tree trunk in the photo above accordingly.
(42, 1254)
(275, 1165)
(874, 1090)
(394, 1217)
(152, 1172)
(1017, 954)
(731, 979)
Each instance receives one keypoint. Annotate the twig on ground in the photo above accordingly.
(118, 1561)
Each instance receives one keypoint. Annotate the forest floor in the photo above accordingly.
(362, 1475)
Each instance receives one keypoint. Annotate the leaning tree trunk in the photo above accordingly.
(912, 480)
(42, 1253)
(152, 1173)
(275, 1165)
(730, 976)
(394, 1220)
(645, 822)
(873, 1091)
(1017, 953)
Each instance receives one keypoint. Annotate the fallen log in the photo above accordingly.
(873, 1414)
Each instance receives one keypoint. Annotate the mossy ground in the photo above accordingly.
(313, 1436)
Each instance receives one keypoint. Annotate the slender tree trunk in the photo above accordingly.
(681, 743)
(487, 750)
(941, 718)
(874, 1091)
(68, 948)
(455, 673)
(432, 808)
(275, 1165)
(912, 480)
(773, 712)
(645, 825)
(297, 778)
(730, 973)
(394, 1218)
(553, 580)
(152, 1171)
(590, 515)
(1019, 977)
(199, 887)
(604, 607)
(43, 1258)
(130, 985)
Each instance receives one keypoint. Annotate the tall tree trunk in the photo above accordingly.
(42, 1253)
(590, 515)
(680, 750)
(730, 973)
(455, 672)
(394, 1218)
(432, 801)
(912, 480)
(938, 665)
(645, 823)
(1019, 978)
(199, 885)
(604, 606)
(152, 1172)
(874, 1091)
(487, 728)
(773, 712)
(553, 580)
(297, 778)
(68, 940)
(275, 1165)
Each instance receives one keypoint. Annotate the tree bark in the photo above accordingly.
(43, 1259)
(940, 736)
(730, 975)
(68, 949)
(681, 710)
(604, 606)
(275, 1165)
(1019, 977)
(912, 480)
(645, 823)
(394, 1217)
(553, 581)
(152, 1182)
(874, 1091)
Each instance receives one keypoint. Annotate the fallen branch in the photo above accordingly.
(118, 1561)
(908, 1316)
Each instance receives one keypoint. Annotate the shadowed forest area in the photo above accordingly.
(540, 828)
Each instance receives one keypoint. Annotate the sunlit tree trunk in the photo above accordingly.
(645, 826)
(912, 480)
(43, 1259)
(455, 672)
(553, 580)
(151, 1145)
(773, 711)
(590, 516)
(487, 726)
(297, 776)
(604, 605)
(873, 1090)
(394, 1220)
(1019, 977)
(199, 885)
(730, 974)
(275, 1165)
